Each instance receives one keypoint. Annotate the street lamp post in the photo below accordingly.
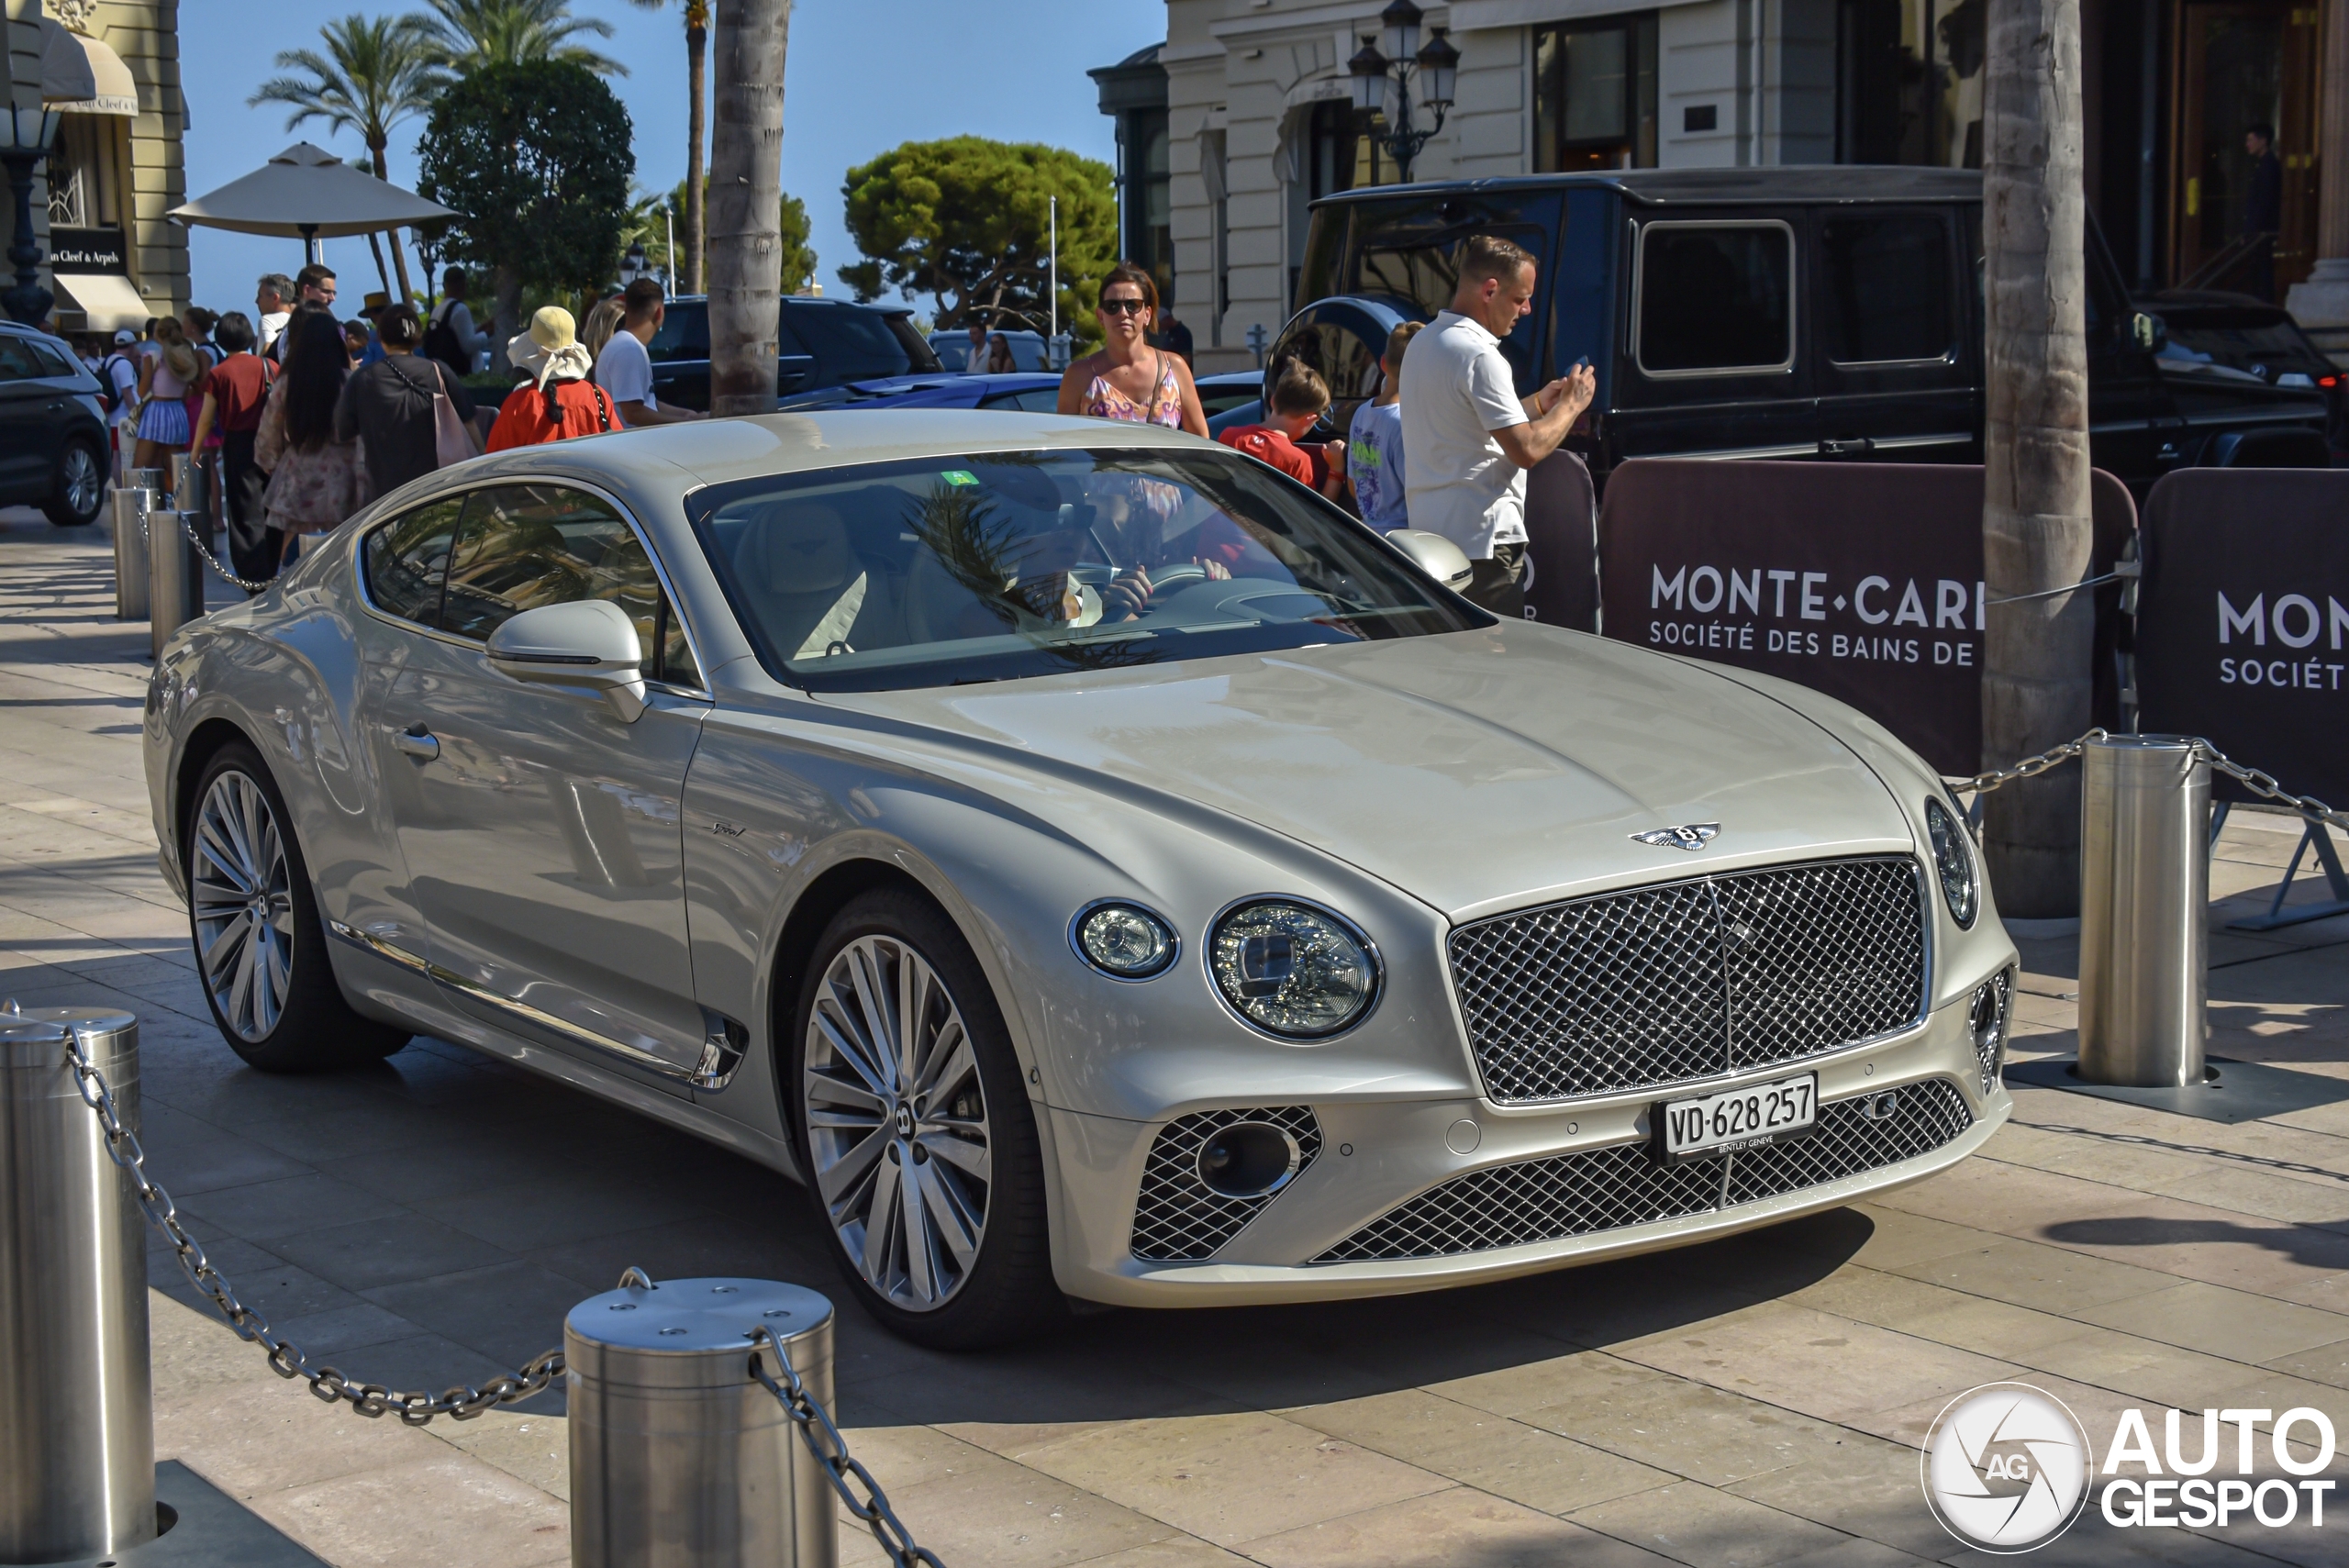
(634, 264)
(24, 138)
(1382, 80)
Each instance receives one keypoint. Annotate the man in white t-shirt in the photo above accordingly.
(977, 362)
(1468, 439)
(625, 367)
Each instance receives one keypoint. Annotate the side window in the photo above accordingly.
(1715, 299)
(406, 561)
(1886, 296)
(526, 545)
(49, 362)
(16, 362)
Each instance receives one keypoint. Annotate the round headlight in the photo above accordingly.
(1961, 890)
(1291, 970)
(1123, 941)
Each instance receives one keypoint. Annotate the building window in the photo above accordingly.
(84, 187)
(1150, 201)
(1908, 82)
(1337, 150)
(1593, 94)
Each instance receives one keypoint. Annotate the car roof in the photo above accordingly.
(1834, 183)
(1231, 378)
(715, 451)
(805, 301)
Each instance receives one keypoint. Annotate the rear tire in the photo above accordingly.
(79, 487)
(260, 952)
(914, 1115)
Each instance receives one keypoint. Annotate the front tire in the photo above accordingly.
(921, 1152)
(260, 946)
(78, 487)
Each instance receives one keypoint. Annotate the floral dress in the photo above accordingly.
(309, 492)
(1151, 501)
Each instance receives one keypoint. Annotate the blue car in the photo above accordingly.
(1024, 391)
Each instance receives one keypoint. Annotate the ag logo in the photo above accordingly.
(2006, 1468)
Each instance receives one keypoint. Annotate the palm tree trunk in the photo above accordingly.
(381, 274)
(697, 133)
(746, 206)
(399, 256)
(2035, 526)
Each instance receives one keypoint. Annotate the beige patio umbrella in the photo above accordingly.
(307, 192)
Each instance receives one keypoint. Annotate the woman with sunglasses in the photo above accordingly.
(1128, 379)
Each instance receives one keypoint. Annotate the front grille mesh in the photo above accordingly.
(1606, 1189)
(1687, 980)
(1178, 1218)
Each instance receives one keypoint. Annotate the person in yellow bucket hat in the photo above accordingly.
(558, 401)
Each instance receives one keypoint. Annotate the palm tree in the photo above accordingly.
(375, 72)
(697, 130)
(466, 35)
(746, 176)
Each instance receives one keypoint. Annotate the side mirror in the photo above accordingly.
(589, 644)
(2149, 332)
(1435, 555)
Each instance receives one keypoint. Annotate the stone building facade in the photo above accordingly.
(1242, 118)
(111, 70)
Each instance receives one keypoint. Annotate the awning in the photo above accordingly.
(80, 75)
(106, 301)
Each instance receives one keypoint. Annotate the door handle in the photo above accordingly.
(1849, 445)
(417, 741)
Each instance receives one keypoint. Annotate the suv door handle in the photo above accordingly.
(1850, 446)
(417, 741)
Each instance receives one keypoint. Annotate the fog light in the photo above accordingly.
(1987, 1017)
(1123, 941)
(1248, 1159)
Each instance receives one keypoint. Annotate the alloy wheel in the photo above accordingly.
(81, 480)
(897, 1124)
(244, 906)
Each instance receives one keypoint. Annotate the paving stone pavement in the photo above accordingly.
(1753, 1402)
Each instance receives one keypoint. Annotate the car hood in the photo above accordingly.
(1478, 769)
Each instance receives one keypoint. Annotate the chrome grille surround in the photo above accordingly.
(1581, 1194)
(1179, 1218)
(1680, 981)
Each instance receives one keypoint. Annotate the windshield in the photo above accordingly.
(2251, 343)
(1000, 565)
(684, 333)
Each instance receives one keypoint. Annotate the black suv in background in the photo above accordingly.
(820, 342)
(52, 428)
(1829, 312)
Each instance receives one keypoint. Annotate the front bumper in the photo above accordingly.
(1376, 1157)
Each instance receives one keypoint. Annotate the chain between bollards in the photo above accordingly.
(2259, 783)
(830, 1449)
(285, 1358)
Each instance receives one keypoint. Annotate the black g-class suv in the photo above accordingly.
(1829, 312)
(819, 342)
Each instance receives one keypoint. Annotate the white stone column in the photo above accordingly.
(2321, 304)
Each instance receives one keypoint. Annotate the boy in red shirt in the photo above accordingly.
(1299, 397)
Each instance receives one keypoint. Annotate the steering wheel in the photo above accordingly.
(1185, 572)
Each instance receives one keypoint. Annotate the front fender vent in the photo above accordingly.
(1177, 1217)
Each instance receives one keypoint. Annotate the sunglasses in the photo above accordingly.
(1123, 307)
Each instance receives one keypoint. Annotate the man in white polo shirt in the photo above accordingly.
(1467, 437)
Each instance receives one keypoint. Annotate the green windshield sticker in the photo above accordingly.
(959, 476)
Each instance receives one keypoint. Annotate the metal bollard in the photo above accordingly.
(130, 585)
(156, 479)
(679, 1459)
(176, 576)
(77, 1434)
(2144, 910)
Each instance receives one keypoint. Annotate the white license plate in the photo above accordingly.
(1738, 1118)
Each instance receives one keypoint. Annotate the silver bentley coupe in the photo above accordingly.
(1093, 864)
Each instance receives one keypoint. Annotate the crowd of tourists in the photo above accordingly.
(298, 419)
(295, 418)
(1442, 446)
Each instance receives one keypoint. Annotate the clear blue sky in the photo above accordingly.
(863, 77)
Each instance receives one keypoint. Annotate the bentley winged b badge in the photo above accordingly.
(1692, 836)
